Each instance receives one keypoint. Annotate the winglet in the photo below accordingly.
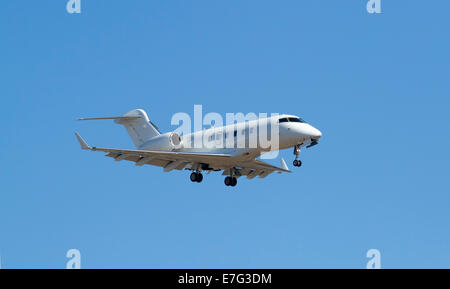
(83, 144)
(284, 165)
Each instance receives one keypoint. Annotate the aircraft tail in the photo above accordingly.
(138, 126)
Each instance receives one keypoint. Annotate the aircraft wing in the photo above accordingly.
(257, 164)
(254, 168)
(166, 159)
(180, 160)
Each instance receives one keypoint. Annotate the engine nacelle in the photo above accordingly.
(168, 141)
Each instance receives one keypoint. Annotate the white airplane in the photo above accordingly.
(167, 150)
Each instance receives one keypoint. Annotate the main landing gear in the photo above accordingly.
(196, 177)
(230, 181)
(297, 162)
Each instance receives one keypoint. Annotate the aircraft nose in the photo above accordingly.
(316, 133)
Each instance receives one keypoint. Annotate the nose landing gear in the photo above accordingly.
(297, 162)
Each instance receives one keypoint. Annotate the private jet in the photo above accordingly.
(173, 151)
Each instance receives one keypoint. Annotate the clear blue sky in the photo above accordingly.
(377, 86)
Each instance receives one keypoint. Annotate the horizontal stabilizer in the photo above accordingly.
(113, 117)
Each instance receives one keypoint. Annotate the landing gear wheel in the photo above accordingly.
(230, 181)
(196, 177)
(199, 178)
(297, 162)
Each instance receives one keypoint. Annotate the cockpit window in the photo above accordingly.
(296, 119)
(291, 119)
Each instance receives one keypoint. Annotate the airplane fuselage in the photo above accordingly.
(250, 138)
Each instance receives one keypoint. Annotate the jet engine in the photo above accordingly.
(168, 141)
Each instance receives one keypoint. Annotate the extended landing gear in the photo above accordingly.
(196, 177)
(230, 181)
(297, 162)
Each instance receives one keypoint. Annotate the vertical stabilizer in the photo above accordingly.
(138, 126)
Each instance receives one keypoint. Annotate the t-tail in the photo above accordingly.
(138, 126)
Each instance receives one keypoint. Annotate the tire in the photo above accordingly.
(199, 178)
(193, 177)
(228, 181)
(233, 182)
